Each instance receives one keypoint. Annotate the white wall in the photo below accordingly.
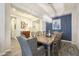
(18, 26)
(74, 26)
(78, 26)
(7, 27)
(4, 28)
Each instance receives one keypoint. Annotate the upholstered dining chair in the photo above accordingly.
(29, 47)
(57, 43)
(58, 37)
(55, 47)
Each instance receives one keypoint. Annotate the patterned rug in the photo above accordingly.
(68, 49)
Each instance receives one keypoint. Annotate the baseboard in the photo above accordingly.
(3, 53)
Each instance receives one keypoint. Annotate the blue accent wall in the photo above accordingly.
(66, 26)
(48, 27)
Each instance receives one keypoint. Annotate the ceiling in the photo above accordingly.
(17, 13)
(41, 9)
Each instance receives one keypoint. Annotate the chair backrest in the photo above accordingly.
(25, 48)
(58, 34)
(33, 45)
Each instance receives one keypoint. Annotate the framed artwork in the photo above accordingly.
(56, 25)
(23, 25)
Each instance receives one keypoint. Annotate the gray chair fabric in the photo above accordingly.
(57, 43)
(68, 49)
(29, 47)
(58, 38)
(55, 47)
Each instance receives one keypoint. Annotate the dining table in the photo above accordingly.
(47, 41)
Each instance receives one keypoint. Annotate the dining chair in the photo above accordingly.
(29, 47)
(57, 43)
(55, 47)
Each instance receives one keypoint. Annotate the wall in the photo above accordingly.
(7, 27)
(74, 25)
(4, 28)
(48, 27)
(66, 26)
(18, 26)
(78, 26)
(35, 26)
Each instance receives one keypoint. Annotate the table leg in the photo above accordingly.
(48, 50)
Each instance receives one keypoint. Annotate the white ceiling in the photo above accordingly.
(49, 9)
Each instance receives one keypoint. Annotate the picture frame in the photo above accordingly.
(56, 25)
